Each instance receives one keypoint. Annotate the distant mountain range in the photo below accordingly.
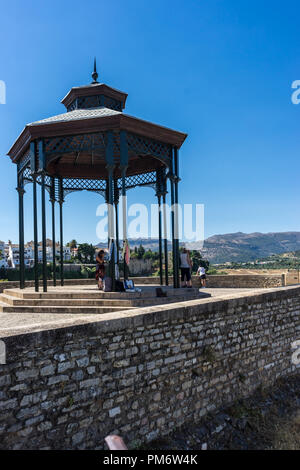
(147, 243)
(240, 247)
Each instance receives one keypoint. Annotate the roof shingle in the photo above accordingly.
(78, 114)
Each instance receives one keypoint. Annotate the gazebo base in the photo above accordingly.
(88, 299)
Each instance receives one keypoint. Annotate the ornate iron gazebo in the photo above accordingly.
(94, 146)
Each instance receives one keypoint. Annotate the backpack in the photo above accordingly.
(107, 284)
(120, 286)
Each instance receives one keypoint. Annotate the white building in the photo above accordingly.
(3, 255)
(11, 257)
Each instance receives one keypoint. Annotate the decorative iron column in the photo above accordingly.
(160, 240)
(34, 169)
(123, 168)
(53, 200)
(21, 192)
(159, 195)
(109, 157)
(165, 237)
(116, 204)
(176, 181)
(35, 236)
(61, 201)
(175, 268)
(42, 167)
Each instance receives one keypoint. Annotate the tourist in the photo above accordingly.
(202, 274)
(100, 269)
(185, 268)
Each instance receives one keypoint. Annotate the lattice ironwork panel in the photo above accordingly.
(77, 143)
(70, 185)
(161, 184)
(69, 191)
(112, 104)
(24, 162)
(116, 146)
(47, 180)
(87, 102)
(72, 106)
(142, 145)
(145, 179)
(80, 184)
(27, 176)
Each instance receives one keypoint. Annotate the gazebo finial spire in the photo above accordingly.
(95, 74)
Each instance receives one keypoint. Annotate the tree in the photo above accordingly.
(86, 252)
(72, 244)
(133, 254)
(198, 261)
(141, 252)
(149, 254)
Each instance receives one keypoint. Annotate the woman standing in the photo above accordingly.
(185, 268)
(100, 269)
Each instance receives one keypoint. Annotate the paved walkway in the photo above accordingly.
(224, 293)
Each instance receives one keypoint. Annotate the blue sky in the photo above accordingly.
(220, 70)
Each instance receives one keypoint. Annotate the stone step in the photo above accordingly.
(62, 310)
(94, 293)
(11, 300)
(87, 302)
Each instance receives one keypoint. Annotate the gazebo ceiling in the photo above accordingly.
(74, 141)
(91, 166)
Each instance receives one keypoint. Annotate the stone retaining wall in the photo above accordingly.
(246, 280)
(143, 373)
(292, 278)
(231, 281)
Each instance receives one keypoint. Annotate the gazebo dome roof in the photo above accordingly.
(74, 141)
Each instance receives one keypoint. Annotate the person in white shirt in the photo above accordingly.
(202, 274)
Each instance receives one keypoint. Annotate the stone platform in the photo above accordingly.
(89, 300)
